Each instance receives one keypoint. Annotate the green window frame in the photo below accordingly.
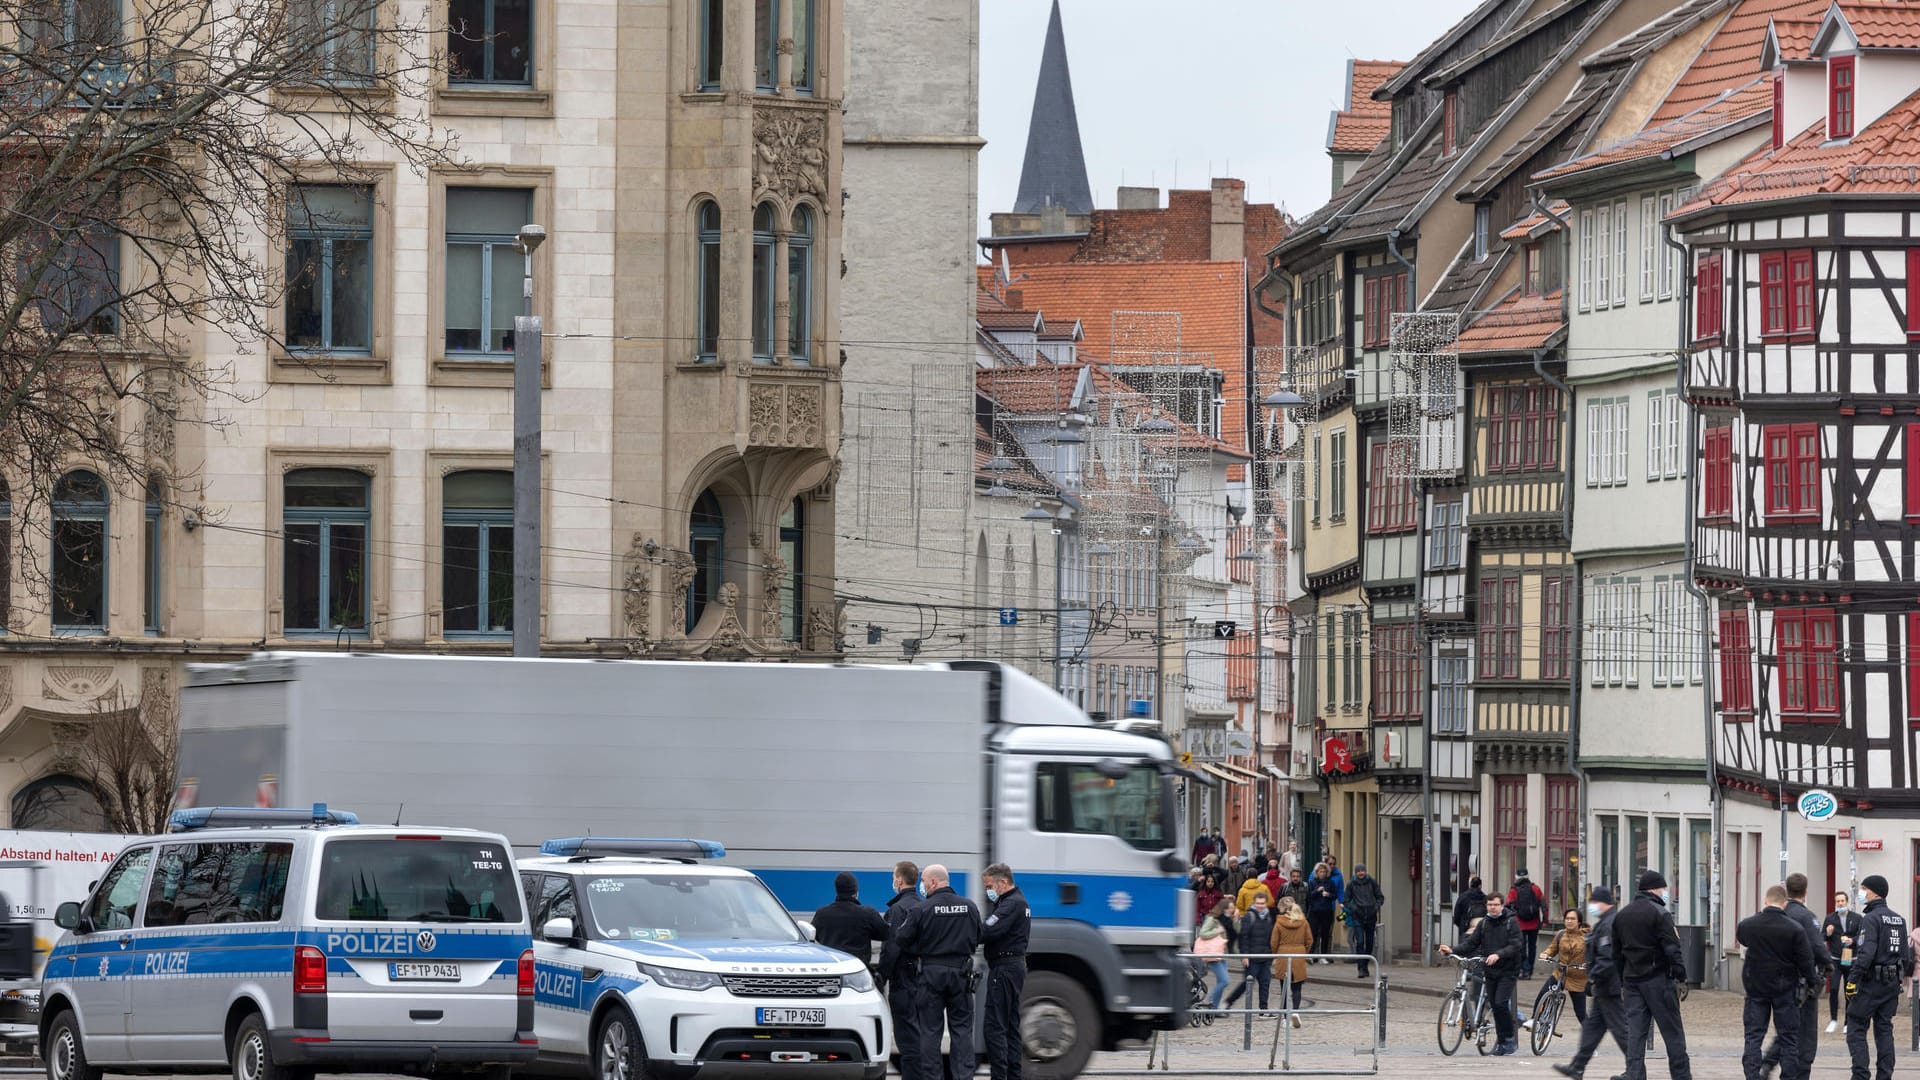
(326, 518)
(800, 287)
(707, 313)
(80, 547)
(153, 552)
(476, 558)
(764, 244)
(707, 543)
(485, 270)
(330, 262)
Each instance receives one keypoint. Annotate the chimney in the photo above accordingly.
(1138, 198)
(1014, 297)
(1229, 220)
(1053, 220)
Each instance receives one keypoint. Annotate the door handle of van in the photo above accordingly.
(1069, 892)
(126, 940)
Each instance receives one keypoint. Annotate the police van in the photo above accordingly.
(652, 962)
(281, 942)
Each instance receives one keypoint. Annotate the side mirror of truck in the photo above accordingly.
(1172, 863)
(67, 916)
(557, 930)
(1111, 769)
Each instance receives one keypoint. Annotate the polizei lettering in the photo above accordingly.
(166, 963)
(558, 984)
(371, 944)
(951, 909)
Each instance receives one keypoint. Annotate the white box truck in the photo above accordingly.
(800, 770)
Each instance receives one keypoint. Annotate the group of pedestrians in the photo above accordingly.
(926, 968)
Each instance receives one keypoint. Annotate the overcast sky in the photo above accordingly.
(1169, 93)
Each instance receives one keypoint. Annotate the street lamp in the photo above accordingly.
(1279, 400)
(527, 346)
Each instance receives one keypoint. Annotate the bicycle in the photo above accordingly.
(1548, 1005)
(1467, 1010)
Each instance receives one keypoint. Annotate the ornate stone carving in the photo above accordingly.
(773, 579)
(682, 574)
(637, 605)
(79, 685)
(823, 492)
(822, 630)
(729, 636)
(763, 415)
(803, 416)
(157, 426)
(790, 152)
(6, 688)
(156, 699)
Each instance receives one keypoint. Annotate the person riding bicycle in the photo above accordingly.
(1497, 940)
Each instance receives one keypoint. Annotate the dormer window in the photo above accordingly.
(1449, 121)
(1840, 97)
(1531, 282)
(1482, 229)
(1779, 108)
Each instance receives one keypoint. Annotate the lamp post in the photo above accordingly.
(527, 346)
(1282, 401)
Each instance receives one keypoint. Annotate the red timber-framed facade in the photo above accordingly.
(1803, 373)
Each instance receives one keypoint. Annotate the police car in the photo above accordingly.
(650, 962)
(273, 942)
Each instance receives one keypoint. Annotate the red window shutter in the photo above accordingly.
(1372, 321)
(1789, 647)
(1773, 292)
(1706, 299)
(1779, 442)
(1718, 487)
(1823, 662)
(1510, 627)
(1913, 471)
(1806, 467)
(1489, 661)
(1913, 666)
(1840, 97)
(1779, 109)
(1801, 293)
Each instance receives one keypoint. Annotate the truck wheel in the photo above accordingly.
(66, 1058)
(1059, 1026)
(252, 1055)
(617, 1053)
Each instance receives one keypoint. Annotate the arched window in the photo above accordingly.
(80, 553)
(793, 551)
(713, 37)
(707, 542)
(763, 268)
(707, 303)
(58, 804)
(476, 539)
(154, 553)
(800, 286)
(325, 551)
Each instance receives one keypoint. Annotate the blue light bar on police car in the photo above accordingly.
(210, 817)
(586, 847)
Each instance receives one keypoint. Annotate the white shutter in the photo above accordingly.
(1621, 431)
(1656, 453)
(1668, 266)
(1620, 252)
(1602, 238)
(1676, 418)
(1596, 442)
(1586, 259)
(1649, 247)
(1630, 633)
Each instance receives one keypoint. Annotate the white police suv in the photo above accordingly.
(278, 942)
(650, 963)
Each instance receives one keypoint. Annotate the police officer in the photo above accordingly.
(1809, 995)
(847, 924)
(1647, 949)
(897, 974)
(939, 938)
(1778, 969)
(1005, 937)
(1606, 1011)
(1881, 961)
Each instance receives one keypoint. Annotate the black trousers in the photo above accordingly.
(1321, 923)
(1500, 994)
(1607, 1016)
(1361, 940)
(903, 1001)
(1649, 1003)
(1873, 1004)
(1531, 942)
(1005, 1049)
(1259, 972)
(1783, 1012)
(945, 1002)
(1809, 1042)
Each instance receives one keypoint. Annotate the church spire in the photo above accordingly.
(1055, 172)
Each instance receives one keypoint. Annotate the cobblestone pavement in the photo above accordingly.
(1341, 1043)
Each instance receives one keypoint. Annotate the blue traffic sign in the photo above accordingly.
(1009, 616)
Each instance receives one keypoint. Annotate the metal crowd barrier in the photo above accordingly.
(1280, 1051)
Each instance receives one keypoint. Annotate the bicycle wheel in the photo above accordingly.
(1544, 1019)
(1450, 1029)
(1485, 1033)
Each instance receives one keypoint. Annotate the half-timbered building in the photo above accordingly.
(1805, 487)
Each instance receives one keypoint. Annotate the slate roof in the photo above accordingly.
(1519, 323)
(1580, 114)
(1741, 108)
(1359, 127)
(1466, 278)
(1881, 159)
(1731, 56)
(1055, 170)
(1427, 57)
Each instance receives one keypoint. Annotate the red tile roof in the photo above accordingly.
(1881, 159)
(1185, 436)
(1524, 229)
(1883, 25)
(1794, 38)
(1360, 127)
(1008, 319)
(1731, 57)
(1030, 391)
(1739, 108)
(1520, 323)
(1210, 298)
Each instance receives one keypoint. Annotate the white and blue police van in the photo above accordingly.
(277, 943)
(653, 962)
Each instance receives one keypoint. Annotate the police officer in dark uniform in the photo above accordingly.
(1881, 961)
(1647, 949)
(1809, 995)
(1005, 936)
(939, 938)
(847, 924)
(897, 974)
(1606, 1012)
(1778, 969)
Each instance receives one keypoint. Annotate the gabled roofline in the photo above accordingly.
(1700, 14)
(1392, 87)
(1829, 22)
(1733, 126)
(1395, 162)
(1476, 191)
(1500, 44)
(1770, 49)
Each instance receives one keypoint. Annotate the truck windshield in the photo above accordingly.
(417, 880)
(630, 907)
(1074, 798)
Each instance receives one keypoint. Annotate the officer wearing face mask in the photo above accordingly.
(1605, 1011)
(1882, 961)
(1004, 934)
(1647, 949)
(939, 937)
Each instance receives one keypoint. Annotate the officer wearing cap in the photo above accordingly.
(1606, 1012)
(1881, 961)
(938, 938)
(1647, 949)
(847, 924)
(1005, 935)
